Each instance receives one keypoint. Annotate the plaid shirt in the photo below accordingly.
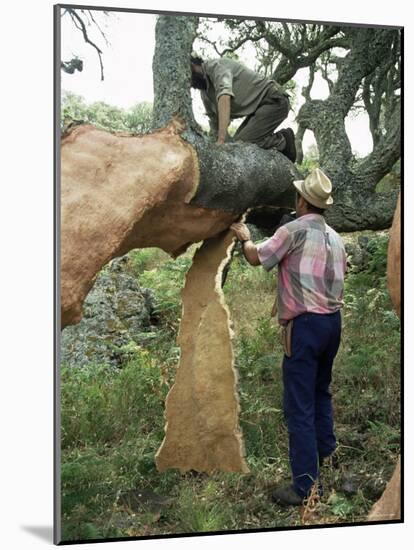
(312, 264)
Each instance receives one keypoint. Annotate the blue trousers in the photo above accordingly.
(307, 401)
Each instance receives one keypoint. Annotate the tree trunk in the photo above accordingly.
(356, 204)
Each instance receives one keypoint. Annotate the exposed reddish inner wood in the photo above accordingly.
(388, 506)
(202, 407)
(123, 192)
(394, 261)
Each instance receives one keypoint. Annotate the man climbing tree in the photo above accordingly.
(312, 263)
(230, 90)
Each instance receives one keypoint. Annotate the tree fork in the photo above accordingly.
(234, 176)
(357, 206)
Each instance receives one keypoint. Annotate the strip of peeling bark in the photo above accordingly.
(202, 407)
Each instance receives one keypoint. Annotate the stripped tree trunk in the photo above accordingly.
(388, 507)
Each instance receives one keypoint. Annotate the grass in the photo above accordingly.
(112, 420)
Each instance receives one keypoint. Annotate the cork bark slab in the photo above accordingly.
(202, 408)
(389, 505)
(394, 260)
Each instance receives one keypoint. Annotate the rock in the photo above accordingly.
(117, 315)
(350, 484)
(360, 253)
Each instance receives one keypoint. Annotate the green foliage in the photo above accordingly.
(169, 282)
(200, 510)
(392, 181)
(145, 259)
(367, 371)
(136, 120)
(101, 405)
(310, 161)
(340, 506)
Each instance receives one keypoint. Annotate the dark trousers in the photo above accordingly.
(259, 127)
(307, 400)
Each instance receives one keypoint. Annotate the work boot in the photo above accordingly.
(286, 496)
(290, 148)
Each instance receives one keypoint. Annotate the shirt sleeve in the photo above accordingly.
(222, 78)
(212, 118)
(272, 251)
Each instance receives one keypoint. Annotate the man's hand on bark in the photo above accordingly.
(249, 248)
(241, 230)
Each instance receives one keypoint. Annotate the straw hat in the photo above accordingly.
(316, 189)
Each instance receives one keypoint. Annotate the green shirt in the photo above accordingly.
(228, 77)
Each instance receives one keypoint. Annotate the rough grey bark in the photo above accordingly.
(174, 38)
(239, 176)
(306, 91)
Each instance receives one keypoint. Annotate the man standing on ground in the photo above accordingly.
(231, 90)
(311, 262)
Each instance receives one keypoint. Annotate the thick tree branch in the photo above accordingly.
(174, 37)
(300, 133)
(354, 209)
(372, 105)
(324, 70)
(289, 66)
(358, 64)
(386, 152)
